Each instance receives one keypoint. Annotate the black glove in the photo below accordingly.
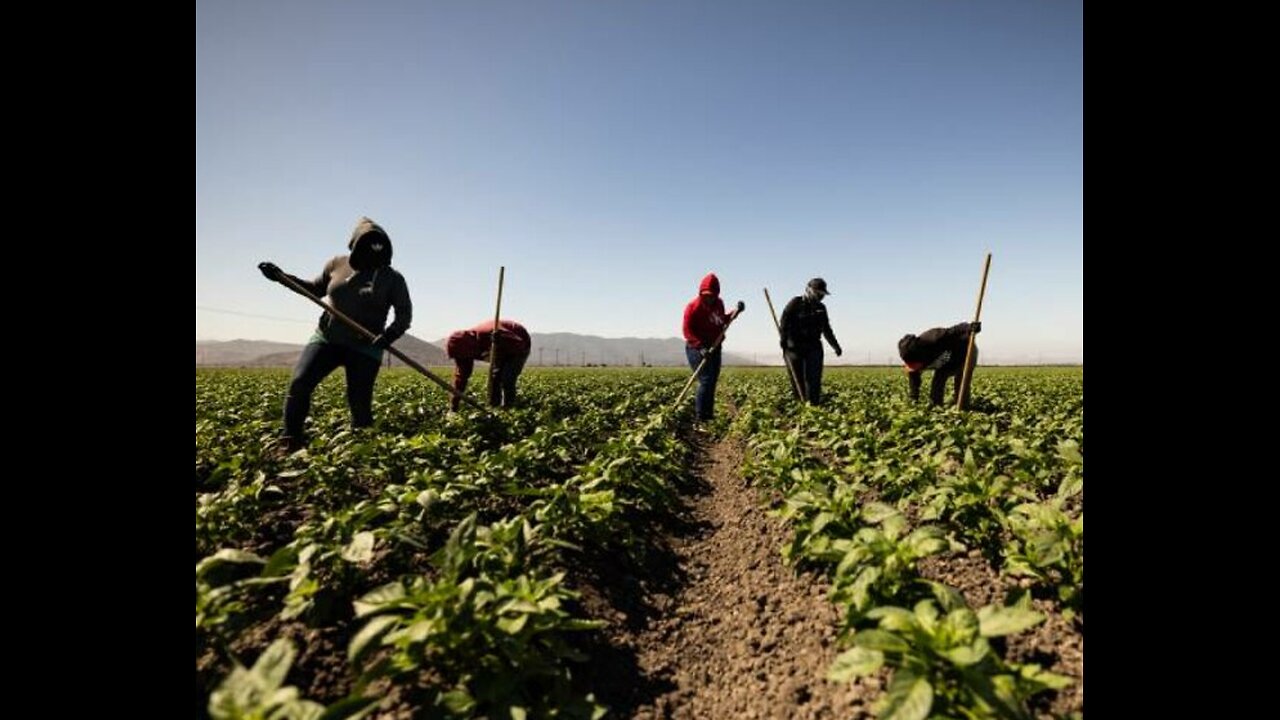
(839, 352)
(270, 271)
(704, 353)
(383, 341)
(741, 306)
(975, 328)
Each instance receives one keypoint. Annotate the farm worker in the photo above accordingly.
(467, 346)
(941, 350)
(804, 324)
(362, 286)
(704, 324)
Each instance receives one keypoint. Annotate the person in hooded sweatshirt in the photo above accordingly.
(464, 347)
(804, 324)
(363, 286)
(941, 350)
(704, 323)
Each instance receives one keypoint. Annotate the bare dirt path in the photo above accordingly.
(717, 626)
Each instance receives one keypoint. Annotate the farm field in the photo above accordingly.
(592, 554)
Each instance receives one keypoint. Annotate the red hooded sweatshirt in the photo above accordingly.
(704, 316)
(467, 346)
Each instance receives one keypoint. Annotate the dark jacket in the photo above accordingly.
(935, 348)
(804, 324)
(364, 287)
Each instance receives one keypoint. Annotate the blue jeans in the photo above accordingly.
(503, 392)
(315, 364)
(705, 398)
(808, 369)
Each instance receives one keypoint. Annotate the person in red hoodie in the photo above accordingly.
(704, 324)
(464, 347)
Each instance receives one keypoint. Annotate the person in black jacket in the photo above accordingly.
(364, 287)
(941, 350)
(804, 324)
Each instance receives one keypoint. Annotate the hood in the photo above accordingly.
(906, 348)
(370, 246)
(710, 285)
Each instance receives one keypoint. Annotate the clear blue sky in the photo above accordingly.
(609, 154)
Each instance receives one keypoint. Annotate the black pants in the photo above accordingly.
(954, 368)
(503, 392)
(807, 365)
(315, 364)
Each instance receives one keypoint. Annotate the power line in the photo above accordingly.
(206, 308)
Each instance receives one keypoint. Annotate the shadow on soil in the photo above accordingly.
(630, 589)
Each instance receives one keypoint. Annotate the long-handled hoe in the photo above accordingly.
(493, 340)
(289, 283)
(966, 378)
(791, 372)
(698, 372)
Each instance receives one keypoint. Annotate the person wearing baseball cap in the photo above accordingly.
(804, 324)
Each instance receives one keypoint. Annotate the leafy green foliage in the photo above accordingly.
(438, 542)
(439, 539)
(945, 664)
(873, 484)
(490, 624)
(259, 693)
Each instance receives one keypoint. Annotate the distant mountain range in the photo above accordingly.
(263, 353)
(548, 349)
